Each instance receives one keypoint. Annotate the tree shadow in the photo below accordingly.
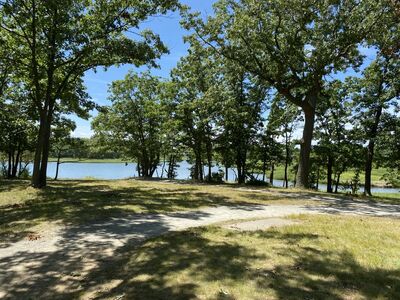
(85, 267)
(82, 202)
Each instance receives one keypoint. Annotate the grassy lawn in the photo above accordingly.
(22, 207)
(376, 176)
(325, 257)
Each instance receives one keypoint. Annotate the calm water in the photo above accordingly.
(122, 171)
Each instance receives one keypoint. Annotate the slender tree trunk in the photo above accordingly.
(264, 167)
(329, 174)
(9, 166)
(302, 177)
(370, 152)
(226, 174)
(337, 182)
(271, 175)
(14, 172)
(286, 180)
(58, 165)
(163, 167)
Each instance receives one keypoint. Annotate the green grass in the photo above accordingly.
(325, 257)
(322, 257)
(376, 176)
(388, 198)
(22, 207)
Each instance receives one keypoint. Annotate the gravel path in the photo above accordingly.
(63, 256)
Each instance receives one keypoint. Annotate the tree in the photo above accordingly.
(374, 96)
(16, 129)
(282, 122)
(61, 139)
(388, 147)
(194, 79)
(133, 122)
(332, 121)
(242, 98)
(58, 41)
(291, 45)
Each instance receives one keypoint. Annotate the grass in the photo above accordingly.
(388, 198)
(325, 257)
(321, 257)
(22, 207)
(376, 176)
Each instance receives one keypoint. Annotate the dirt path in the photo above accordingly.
(58, 262)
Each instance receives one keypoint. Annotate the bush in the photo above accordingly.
(216, 177)
(256, 182)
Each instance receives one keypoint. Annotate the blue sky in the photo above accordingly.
(171, 34)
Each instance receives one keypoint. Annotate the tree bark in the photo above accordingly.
(329, 188)
(302, 177)
(264, 167)
(337, 182)
(58, 165)
(45, 150)
(370, 152)
(271, 175)
(38, 154)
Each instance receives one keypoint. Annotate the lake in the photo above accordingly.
(122, 171)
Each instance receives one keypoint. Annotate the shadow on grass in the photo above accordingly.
(148, 272)
(176, 265)
(74, 202)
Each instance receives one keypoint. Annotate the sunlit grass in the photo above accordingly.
(22, 206)
(325, 257)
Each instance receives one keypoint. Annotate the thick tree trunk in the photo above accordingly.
(329, 188)
(45, 153)
(302, 177)
(38, 153)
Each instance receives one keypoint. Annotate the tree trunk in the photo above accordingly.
(163, 167)
(286, 181)
(337, 182)
(226, 174)
(9, 164)
(38, 153)
(264, 167)
(58, 165)
(302, 177)
(45, 151)
(271, 175)
(14, 171)
(329, 174)
(370, 152)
